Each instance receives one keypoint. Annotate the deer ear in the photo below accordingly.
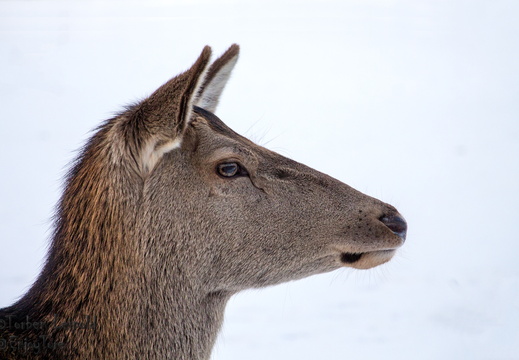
(158, 123)
(217, 76)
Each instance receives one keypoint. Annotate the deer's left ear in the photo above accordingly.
(157, 124)
(216, 79)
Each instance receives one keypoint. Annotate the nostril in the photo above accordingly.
(396, 224)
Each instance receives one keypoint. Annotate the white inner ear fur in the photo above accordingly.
(210, 96)
(151, 153)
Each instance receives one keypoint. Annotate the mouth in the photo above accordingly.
(367, 260)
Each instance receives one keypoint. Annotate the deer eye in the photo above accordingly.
(230, 169)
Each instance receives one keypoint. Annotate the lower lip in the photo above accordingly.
(352, 258)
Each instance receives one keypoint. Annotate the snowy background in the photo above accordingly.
(413, 102)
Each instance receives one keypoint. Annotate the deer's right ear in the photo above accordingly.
(157, 124)
(216, 79)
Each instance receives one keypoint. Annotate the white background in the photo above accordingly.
(413, 102)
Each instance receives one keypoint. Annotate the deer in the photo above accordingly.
(166, 214)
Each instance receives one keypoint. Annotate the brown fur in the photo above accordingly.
(150, 242)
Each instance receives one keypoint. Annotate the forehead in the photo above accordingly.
(233, 142)
(218, 125)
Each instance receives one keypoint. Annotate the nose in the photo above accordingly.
(396, 224)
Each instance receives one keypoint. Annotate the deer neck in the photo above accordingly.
(96, 296)
(182, 324)
(132, 316)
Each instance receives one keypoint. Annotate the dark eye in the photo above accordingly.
(230, 169)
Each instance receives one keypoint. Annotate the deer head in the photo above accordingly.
(238, 214)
